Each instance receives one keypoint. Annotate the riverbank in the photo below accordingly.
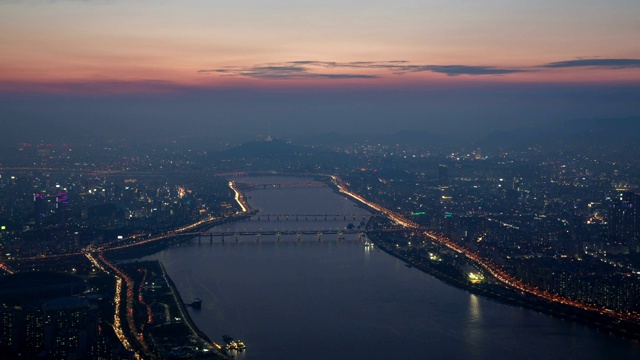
(501, 294)
(361, 299)
(160, 317)
(187, 318)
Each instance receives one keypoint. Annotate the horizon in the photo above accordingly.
(230, 69)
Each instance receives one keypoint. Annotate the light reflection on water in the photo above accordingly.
(333, 299)
(474, 308)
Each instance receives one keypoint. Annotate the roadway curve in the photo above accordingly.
(498, 273)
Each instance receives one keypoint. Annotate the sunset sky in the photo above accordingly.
(123, 49)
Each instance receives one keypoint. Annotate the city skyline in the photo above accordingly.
(550, 228)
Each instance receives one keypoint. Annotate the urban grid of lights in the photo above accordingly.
(486, 264)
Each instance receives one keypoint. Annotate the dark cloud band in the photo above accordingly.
(602, 63)
(455, 70)
(312, 69)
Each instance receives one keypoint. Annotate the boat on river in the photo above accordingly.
(196, 303)
(233, 344)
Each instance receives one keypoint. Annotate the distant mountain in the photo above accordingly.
(402, 137)
(29, 131)
(413, 138)
(330, 139)
(522, 136)
(266, 149)
(617, 128)
(578, 131)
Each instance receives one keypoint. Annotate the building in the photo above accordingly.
(624, 221)
(40, 207)
(69, 327)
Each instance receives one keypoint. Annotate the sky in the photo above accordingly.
(313, 66)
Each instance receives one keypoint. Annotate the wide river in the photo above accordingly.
(332, 299)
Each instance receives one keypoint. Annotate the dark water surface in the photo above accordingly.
(333, 299)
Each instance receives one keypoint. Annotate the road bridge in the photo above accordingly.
(280, 185)
(308, 217)
(318, 233)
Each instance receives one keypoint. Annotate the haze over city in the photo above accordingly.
(159, 68)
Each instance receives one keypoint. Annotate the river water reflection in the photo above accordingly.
(332, 299)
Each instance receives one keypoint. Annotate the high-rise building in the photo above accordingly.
(40, 207)
(624, 220)
(68, 327)
(448, 225)
(635, 204)
(36, 322)
(62, 204)
(33, 330)
(9, 329)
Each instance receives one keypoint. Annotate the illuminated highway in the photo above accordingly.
(117, 325)
(239, 197)
(101, 263)
(6, 268)
(494, 270)
(117, 299)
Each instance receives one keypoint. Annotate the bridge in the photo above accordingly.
(308, 217)
(305, 184)
(278, 233)
(318, 233)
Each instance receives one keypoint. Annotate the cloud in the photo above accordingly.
(596, 63)
(290, 70)
(313, 69)
(455, 70)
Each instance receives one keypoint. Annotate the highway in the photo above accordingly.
(129, 300)
(103, 264)
(487, 264)
(239, 197)
(6, 268)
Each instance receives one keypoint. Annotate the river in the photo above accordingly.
(336, 299)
